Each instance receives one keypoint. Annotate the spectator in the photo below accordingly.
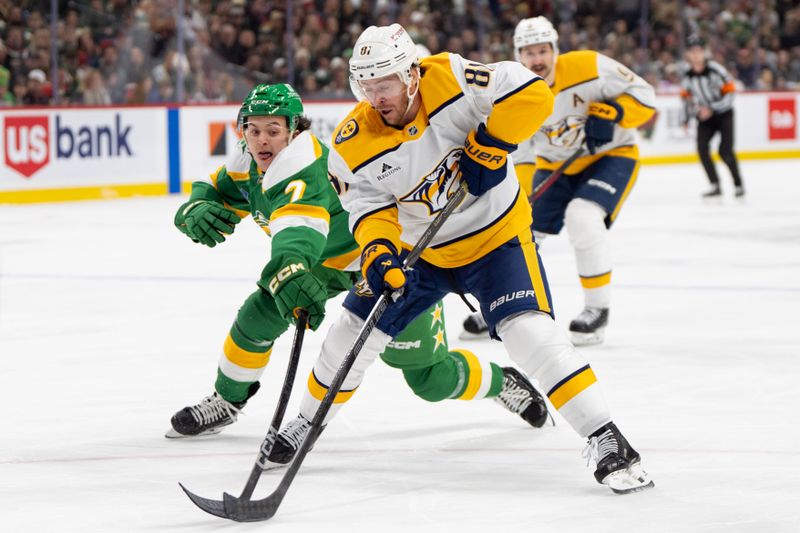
(6, 98)
(127, 38)
(95, 91)
(38, 90)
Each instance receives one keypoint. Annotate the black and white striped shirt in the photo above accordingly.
(713, 87)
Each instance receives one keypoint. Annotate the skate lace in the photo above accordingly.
(295, 431)
(514, 397)
(600, 447)
(213, 408)
(589, 314)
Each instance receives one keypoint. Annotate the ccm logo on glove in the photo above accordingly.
(284, 273)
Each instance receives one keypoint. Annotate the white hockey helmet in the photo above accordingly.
(381, 51)
(536, 30)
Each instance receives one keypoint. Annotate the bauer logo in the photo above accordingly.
(782, 119)
(27, 142)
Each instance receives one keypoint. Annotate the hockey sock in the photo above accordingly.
(585, 223)
(543, 350)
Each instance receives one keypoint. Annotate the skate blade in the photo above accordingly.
(712, 200)
(467, 336)
(269, 465)
(172, 434)
(632, 479)
(587, 339)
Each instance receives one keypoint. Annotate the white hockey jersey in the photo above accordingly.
(583, 77)
(397, 179)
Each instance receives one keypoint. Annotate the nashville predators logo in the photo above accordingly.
(435, 188)
(567, 132)
(349, 129)
(362, 289)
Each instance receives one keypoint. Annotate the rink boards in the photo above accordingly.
(58, 154)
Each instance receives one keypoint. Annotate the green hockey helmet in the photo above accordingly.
(273, 100)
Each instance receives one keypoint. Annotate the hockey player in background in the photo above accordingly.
(278, 174)
(419, 130)
(598, 103)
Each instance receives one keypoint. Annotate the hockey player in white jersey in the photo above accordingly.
(421, 128)
(598, 102)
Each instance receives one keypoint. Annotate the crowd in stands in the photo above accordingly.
(127, 51)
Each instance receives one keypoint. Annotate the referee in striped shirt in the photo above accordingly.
(708, 95)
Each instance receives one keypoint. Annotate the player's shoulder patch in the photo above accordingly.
(574, 68)
(361, 135)
(348, 130)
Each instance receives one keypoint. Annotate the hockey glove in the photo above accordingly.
(381, 266)
(483, 161)
(600, 122)
(295, 288)
(205, 221)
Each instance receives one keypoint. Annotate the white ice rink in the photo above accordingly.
(111, 320)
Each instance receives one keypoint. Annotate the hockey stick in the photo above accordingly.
(246, 510)
(552, 178)
(217, 507)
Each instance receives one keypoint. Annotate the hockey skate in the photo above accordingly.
(739, 191)
(619, 466)
(288, 441)
(713, 192)
(589, 326)
(475, 327)
(520, 397)
(208, 417)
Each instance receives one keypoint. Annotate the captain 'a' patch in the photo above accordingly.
(438, 186)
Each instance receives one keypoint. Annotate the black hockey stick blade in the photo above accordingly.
(241, 510)
(245, 510)
(215, 507)
(234, 508)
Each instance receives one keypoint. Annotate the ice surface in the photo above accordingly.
(111, 320)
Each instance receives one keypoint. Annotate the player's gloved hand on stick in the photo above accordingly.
(295, 288)
(600, 122)
(483, 161)
(205, 221)
(381, 266)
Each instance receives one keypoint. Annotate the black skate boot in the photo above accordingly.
(288, 441)
(739, 191)
(589, 326)
(713, 192)
(475, 327)
(619, 466)
(520, 397)
(208, 417)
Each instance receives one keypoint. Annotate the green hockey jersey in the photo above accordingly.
(293, 202)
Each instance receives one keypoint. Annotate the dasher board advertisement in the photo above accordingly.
(67, 148)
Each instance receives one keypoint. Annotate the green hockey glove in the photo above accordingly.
(294, 288)
(205, 221)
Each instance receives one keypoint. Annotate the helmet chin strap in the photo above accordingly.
(411, 97)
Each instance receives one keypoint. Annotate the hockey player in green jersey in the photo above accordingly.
(279, 176)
